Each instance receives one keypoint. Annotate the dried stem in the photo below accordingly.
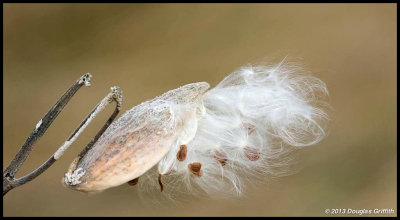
(9, 181)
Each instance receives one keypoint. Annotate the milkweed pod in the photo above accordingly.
(137, 140)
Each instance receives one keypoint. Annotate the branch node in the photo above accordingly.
(85, 79)
(117, 96)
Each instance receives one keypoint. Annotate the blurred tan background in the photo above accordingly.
(148, 49)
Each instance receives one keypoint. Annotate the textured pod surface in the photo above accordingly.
(136, 141)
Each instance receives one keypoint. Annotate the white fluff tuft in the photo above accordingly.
(249, 124)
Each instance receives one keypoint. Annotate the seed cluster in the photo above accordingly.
(251, 153)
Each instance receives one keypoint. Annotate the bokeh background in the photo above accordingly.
(148, 49)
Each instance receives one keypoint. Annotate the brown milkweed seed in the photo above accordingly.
(159, 181)
(220, 156)
(251, 153)
(195, 168)
(250, 128)
(181, 155)
(133, 182)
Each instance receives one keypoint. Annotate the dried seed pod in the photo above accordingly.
(251, 153)
(249, 107)
(181, 155)
(133, 182)
(195, 168)
(221, 157)
(159, 182)
(135, 142)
